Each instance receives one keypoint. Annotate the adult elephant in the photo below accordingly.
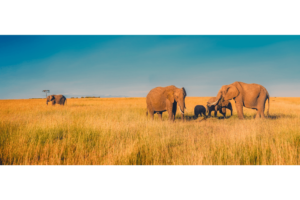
(221, 107)
(252, 96)
(56, 99)
(161, 99)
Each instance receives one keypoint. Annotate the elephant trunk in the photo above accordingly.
(181, 107)
(219, 97)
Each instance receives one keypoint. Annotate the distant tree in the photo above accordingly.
(47, 91)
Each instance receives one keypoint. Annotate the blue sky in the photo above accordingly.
(132, 65)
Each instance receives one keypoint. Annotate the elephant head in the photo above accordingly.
(178, 95)
(226, 93)
(49, 98)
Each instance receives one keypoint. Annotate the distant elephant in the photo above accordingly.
(199, 110)
(221, 107)
(56, 99)
(161, 99)
(245, 95)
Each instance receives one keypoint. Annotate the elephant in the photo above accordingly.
(252, 96)
(221, 107)
(199, 109)
(56, 99)
(161, 99)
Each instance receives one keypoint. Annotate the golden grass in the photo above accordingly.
(116, 131)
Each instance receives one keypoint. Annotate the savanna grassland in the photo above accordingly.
(116, 131)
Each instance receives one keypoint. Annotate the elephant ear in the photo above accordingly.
(170, 95)
(231, 92)
(184, 92)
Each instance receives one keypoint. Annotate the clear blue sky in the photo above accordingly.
(132, 65)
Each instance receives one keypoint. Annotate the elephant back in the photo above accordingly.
(60, 99)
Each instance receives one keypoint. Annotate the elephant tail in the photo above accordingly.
(147, 113)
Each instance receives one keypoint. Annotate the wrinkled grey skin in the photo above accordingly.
(56, 99)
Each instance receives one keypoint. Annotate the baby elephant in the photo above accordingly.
(221, 107)
(199, 109)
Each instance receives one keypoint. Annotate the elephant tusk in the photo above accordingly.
(214, 103)
(181, 110)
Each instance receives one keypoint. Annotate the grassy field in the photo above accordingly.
(116, 131)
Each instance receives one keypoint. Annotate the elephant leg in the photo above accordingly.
(216, 113)
(170, 112)
(174, 110)
(261, 102)
(257, 115)
(151, 112)
(260, 112)
(239, 109)
(152, 115)
(171, 115)
(209, 111)
(263, 111)
(231, 111)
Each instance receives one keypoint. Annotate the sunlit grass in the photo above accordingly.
(113, 131)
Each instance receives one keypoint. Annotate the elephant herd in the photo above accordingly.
(254, 96)
(161, 99)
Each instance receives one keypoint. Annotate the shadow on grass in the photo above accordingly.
(280, 116)
(273, 116)
(202, 118)
(222, 117)
(190, 117)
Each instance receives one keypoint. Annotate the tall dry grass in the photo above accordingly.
(116, 131)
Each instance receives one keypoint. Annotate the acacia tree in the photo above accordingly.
(47, 91)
